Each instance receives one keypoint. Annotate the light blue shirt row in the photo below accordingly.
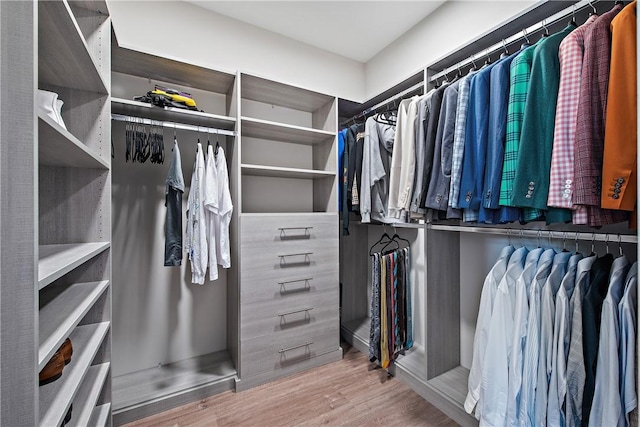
(627, 310)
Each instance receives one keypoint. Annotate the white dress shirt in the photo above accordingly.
(532, 345)
(627, 309)
(487, 297)
(561, 337)
(520, 334)
(606, 409)
(545, 353)
(211, 201)
(495, 374)
(575, 362)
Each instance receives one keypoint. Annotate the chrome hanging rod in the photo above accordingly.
(520, 36)
(389, 100)
(554, 234)
(172, 125)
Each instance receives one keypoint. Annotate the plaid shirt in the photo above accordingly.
(561, 176)
(464, 87)
(519, 87)
(589, 144)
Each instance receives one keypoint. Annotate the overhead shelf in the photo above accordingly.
(56, 397)
(284, 95)
(62, 315)
(63, 56)
(88, 395)
(280, 172)
(150, 111)
(265, 129)
(58, 147)
(54, 261)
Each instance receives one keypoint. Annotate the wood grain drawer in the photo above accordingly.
(271, 353)
(258, 286)
(288, 231)
(296, 312)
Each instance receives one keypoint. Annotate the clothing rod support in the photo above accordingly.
(555, 234)
(565, 13)
(172, 125)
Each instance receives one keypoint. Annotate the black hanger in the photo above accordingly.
(620, 2)
(395, 239)
(379, 242)
(215, 150)
(573, 16)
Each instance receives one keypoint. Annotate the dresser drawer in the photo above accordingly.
(288, 230)
(295, 312)
(271, 353)
(258, 285)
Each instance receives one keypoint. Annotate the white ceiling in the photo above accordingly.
(354, 29)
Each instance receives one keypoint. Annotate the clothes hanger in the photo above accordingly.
(573, 16)
(506, 52)
(488, 61)
(593, 244)
(475, 67)
(379, 242)
(546, 29)
(620, 245)
(595, 11)
(215, 150)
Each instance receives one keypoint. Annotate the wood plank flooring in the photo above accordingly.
(345, 393)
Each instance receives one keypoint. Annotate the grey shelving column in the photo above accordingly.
(56, 214)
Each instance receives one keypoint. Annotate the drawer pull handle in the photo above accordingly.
(305, 235)
(307, 260)
(284, 350)
(305, 254)
(295, 281)
(304, 310)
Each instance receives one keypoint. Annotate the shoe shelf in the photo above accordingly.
(177, 115)
(56, 396)
(62, 315)
(266, 129)
(88, 395)
(58, 147)
(64, 57)
(100, 415)
(281, 172)
(54, 261)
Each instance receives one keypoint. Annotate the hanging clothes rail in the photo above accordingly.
(172, 125)
(554, 234)
(418, 87)
(518, 37)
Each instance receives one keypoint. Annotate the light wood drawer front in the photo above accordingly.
(277, 351)
(287, 263)
(258, 286)
(277, 316)
(288, 231)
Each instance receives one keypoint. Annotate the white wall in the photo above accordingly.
(191, 34)
(450, 26)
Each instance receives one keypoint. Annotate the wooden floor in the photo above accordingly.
(345, 393)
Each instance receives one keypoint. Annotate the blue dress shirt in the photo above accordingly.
(627, 310)
(606, 409)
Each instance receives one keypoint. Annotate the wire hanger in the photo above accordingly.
(526, 37)
(488, 61)
(506, 52)
(595, 11)
(573, 16)
(620, 245)
(473, 61)
(546, 29)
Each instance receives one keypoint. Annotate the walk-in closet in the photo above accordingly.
(277, 213)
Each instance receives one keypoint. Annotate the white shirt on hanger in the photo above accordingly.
(211, 205)
(196, 233)
(224, 211)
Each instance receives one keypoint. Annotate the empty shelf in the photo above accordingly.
(54, 261)
(88, 395)
(152, 385)
(284, 95)
(100, 415)
(150, 111)
(280, 172)
(58, 147)
(56, 397)
(264, 129)
(64, 59)
(60, 316)
(453, 384)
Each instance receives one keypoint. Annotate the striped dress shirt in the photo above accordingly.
(561, 176)
(464, 87)
(519, 88)
(532, 345)
(575, 361)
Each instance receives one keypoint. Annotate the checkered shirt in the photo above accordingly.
(561, 175)
(457, 152)
(520, 75)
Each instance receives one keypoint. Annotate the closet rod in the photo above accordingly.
(385, 102)
(563, 14)
(172, 125)
(556, 234)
